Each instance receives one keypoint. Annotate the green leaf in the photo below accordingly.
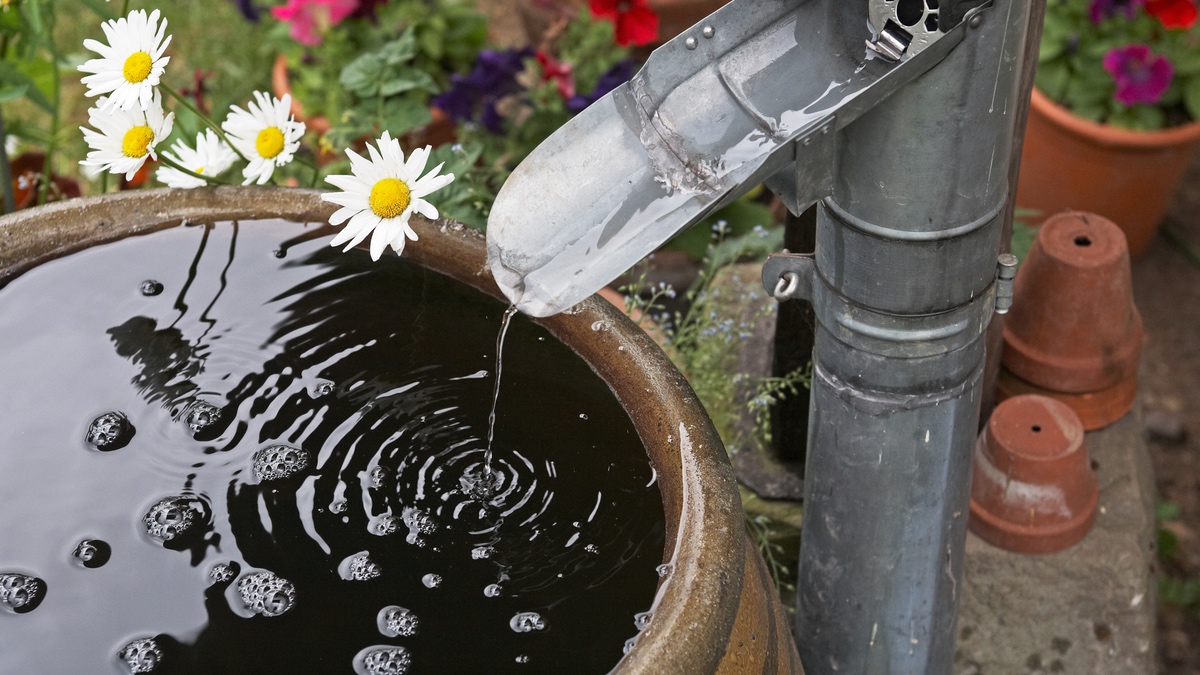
(1052, 78)
(404, 113)
(361, 76)
(42, 75)
(11, 92)
(408, 79)
(1191, 97)
(431, 44)
(12, 80)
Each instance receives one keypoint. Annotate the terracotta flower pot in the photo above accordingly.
(1073, 328)
(1033, 489)
(1126, 176)
(27, 176)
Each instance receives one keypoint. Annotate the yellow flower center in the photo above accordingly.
(389, 198)
(136, 142)
(269, 142)
(137, 67)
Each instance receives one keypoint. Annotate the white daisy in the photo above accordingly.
(126, 137)
(266, 135)
(381, 195)
(132, 62)
(210, 157)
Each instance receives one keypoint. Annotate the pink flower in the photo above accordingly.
(1141, 75)
(311, 18)
(557, 72)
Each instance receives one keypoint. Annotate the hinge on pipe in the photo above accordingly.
(789, 276)
(1006, 271)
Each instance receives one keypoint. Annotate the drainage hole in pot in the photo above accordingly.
(1083, 240)
(1037, 428)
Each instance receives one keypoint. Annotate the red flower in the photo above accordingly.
(636, 23)
(559, 73)
(1173, 13)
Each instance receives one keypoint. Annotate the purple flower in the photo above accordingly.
(248, 9)
(493, 77)
(1141, 75)
(612, 78)
(1100, 10)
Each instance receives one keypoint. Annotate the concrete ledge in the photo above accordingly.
(1089, 609)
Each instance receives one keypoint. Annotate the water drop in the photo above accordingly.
(266, 594)
(396, 621)
(141, 655)
(522, 659)
(629, 645)
(110, 431)
(21, 593)
(482, 552)
(172, 517)
(598, 325)
(201, 416)
(419, 524)
(591, 548)
(221, 573)
(525, 622)
(279, 253)
(582, 416)
(358, 567)
(641, 620)
(338, 507)
(382, 660)
(664, 570)
(324, 388)
(432, 580)
(92, 553)
(492, 590)
(150, 287)
(277, 462)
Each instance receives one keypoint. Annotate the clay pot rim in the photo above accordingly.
(695, 606)
(1106, 135)
(1096, 409)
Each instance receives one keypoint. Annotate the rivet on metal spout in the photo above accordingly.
(1006, 271)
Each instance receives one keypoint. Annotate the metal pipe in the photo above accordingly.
(903, 291)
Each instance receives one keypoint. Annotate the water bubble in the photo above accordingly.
(266, 594)
(664, 570)
(522, 659)
(171, 517)
(221, 573)
(482, 552)
(480, 484)
(492, 590)
(377, 476)
(396, 621)
(382, 660)
(324, 388)
(279, 253)
(110, 431)
(641, 620)
(384, 525)
(591, 548)
(629, 645)
(525, 622)
(419, 523)
(338, 507)
(358, 567)
(201, 416)
(92, 553)
(277, 462)
(150, 287)
(21, 593)
(583, 416)
(141, 655)
(432, 580)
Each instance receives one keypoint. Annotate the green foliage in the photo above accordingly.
(1071, 69)
(771, 537)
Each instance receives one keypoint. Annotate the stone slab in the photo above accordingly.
(1089, 609)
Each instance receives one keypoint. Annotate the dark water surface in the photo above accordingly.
(265, 464)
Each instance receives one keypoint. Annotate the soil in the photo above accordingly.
(1166, 283)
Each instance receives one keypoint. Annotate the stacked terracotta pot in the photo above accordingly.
(1074, 333)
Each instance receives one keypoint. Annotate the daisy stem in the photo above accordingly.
(124, 7)
(104, 182)
(175, 165)
(203, 118)
(315, 169)
(10, 202)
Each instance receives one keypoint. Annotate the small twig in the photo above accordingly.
(10, 201)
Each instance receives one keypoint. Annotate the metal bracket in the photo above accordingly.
(789, 276)
(1006, 271)
(810, 177)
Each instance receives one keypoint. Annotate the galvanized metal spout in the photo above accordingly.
(897, 116)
